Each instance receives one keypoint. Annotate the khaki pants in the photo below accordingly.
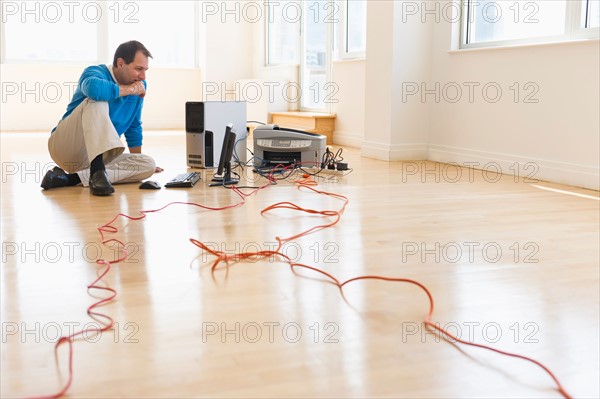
(88, 132)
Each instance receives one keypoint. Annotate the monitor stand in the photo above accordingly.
(226, 179)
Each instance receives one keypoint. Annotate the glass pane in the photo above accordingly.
(282, 31)
(593, 14)
(51, 31)
(314, 72)
(356, 25)
(492, 20)
(166, 28)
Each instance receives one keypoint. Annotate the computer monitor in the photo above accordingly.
(223, 175)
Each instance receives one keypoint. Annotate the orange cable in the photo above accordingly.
(223, 257)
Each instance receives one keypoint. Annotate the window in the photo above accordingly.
(284, 17)
(167, 29)
(304, 31)
(37, 31)
(90, 31)
(353, 29)
(316, 51)
(492, 22)
(282, 31)
(592, 14)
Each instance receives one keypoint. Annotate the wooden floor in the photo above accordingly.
(509, 263)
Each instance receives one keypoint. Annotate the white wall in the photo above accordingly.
(379, 70)
(279, 84)
(226, 51)
(397, 52)
(557, 137)
(349, 77)
(35, 97)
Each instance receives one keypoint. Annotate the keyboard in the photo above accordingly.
(184, 180)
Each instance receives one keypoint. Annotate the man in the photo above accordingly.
(107, 103)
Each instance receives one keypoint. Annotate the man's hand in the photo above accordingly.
(134, 89)
(158, 169)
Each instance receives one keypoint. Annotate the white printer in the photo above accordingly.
(274, 145)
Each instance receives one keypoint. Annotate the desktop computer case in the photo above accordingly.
(203, 148)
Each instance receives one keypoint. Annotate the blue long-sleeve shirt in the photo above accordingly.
(98, 84)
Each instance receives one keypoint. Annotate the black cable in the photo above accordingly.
(338, 155)
(311, 173)
(327, 158)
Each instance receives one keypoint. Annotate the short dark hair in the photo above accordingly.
(128, 50)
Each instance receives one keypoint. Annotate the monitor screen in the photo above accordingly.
(223, 175)
(226, 152)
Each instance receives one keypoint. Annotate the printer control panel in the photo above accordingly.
(276, 143)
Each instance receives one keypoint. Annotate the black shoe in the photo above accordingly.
(100, 185)
(55, 178)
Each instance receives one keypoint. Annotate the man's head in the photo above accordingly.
(131, 62)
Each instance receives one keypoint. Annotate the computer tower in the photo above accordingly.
(205, 124)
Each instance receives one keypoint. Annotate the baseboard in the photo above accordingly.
(347, 139)
(531, 169)
(397, 152)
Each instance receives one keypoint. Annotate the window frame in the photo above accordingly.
(575, 29)
(343, 53)
(329, 53)
(340, 52)
(333, 53)
(267, 48)
(587, 9)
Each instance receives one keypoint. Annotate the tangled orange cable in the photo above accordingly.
(288, 205)
(104, 320)
(223, 257)
(107, 322)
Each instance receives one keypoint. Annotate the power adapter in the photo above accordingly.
(342, 166)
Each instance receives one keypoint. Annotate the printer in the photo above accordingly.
(274, 145)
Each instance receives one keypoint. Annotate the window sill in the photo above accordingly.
(348, 60)
(526, 45)
(281, 66)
